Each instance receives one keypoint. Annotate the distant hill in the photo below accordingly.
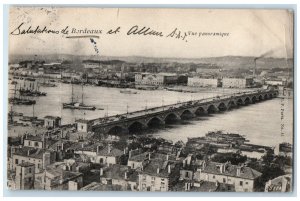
(226, 62)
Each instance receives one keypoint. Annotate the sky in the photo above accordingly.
(248, 32)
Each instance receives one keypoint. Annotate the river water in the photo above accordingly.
(260, 123)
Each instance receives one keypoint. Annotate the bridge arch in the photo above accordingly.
(270, 96)
(116, 130)
(222, 107)
(260, 97)
(155, 122)
(136, 127)
(239, 102)
(211, 109)
(187, 114)
(171, 118)
(253, 99)
(231, 104)
(266, 96)
(247, 101)
(200, 111)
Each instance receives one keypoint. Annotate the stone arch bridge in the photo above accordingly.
(143, 119)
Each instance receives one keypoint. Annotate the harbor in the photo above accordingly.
(100, 97)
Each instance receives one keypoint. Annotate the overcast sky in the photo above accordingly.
(251, 32)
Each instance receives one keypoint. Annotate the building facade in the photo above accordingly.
(40, 158)
(52, 122)
(25, 176)
(242, 178)
(203, 82)
(237, 82)
(155, 79)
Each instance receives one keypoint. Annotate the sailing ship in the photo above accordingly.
(12, 114)
(77, 105)
(30, 88)
(20, 101)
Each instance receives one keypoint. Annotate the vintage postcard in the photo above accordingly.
(150, 99)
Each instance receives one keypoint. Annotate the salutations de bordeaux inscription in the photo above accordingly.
(135, 30)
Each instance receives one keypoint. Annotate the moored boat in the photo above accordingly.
(20, 101)
(78, 106)
(126, 91)
(25, 92)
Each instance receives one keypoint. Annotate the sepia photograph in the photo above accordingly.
(150, 99)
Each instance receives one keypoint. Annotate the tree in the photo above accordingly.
(235, 159)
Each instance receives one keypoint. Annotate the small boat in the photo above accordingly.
(28, 118)
(25, 92)
(13, 113)
(126, 91)
(285, 147)
(20, 101)
(47, 84)
(78, 106)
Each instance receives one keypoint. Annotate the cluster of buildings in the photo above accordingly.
(53, 161)
(159, 79)
(162, 79)
(115, 73)
(220, 82)
(56, 162)
(45, 163)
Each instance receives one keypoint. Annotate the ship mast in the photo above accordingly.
(82, 93)
(11, 114)
(15, 91)
(20, 91)
(32, 110)
(72, 98)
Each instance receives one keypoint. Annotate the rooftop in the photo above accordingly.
(60, 176)
(280, 184)
(117, 171)
(140, 157)
(204, 186)
(91, 147)
(30, 152)
(38, 138)
(155, 164)
(33, 138)
(110, 151)
(95, 186)
(52, 117)
(85, 121)
(25, 164)
(231, 170)
(66, 144)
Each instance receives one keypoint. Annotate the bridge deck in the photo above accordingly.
(161, 109)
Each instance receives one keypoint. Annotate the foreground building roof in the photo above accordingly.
(231, 170)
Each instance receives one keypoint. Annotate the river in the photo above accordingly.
(260, 123)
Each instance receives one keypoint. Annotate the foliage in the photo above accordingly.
(235, 159)
(271, 166)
